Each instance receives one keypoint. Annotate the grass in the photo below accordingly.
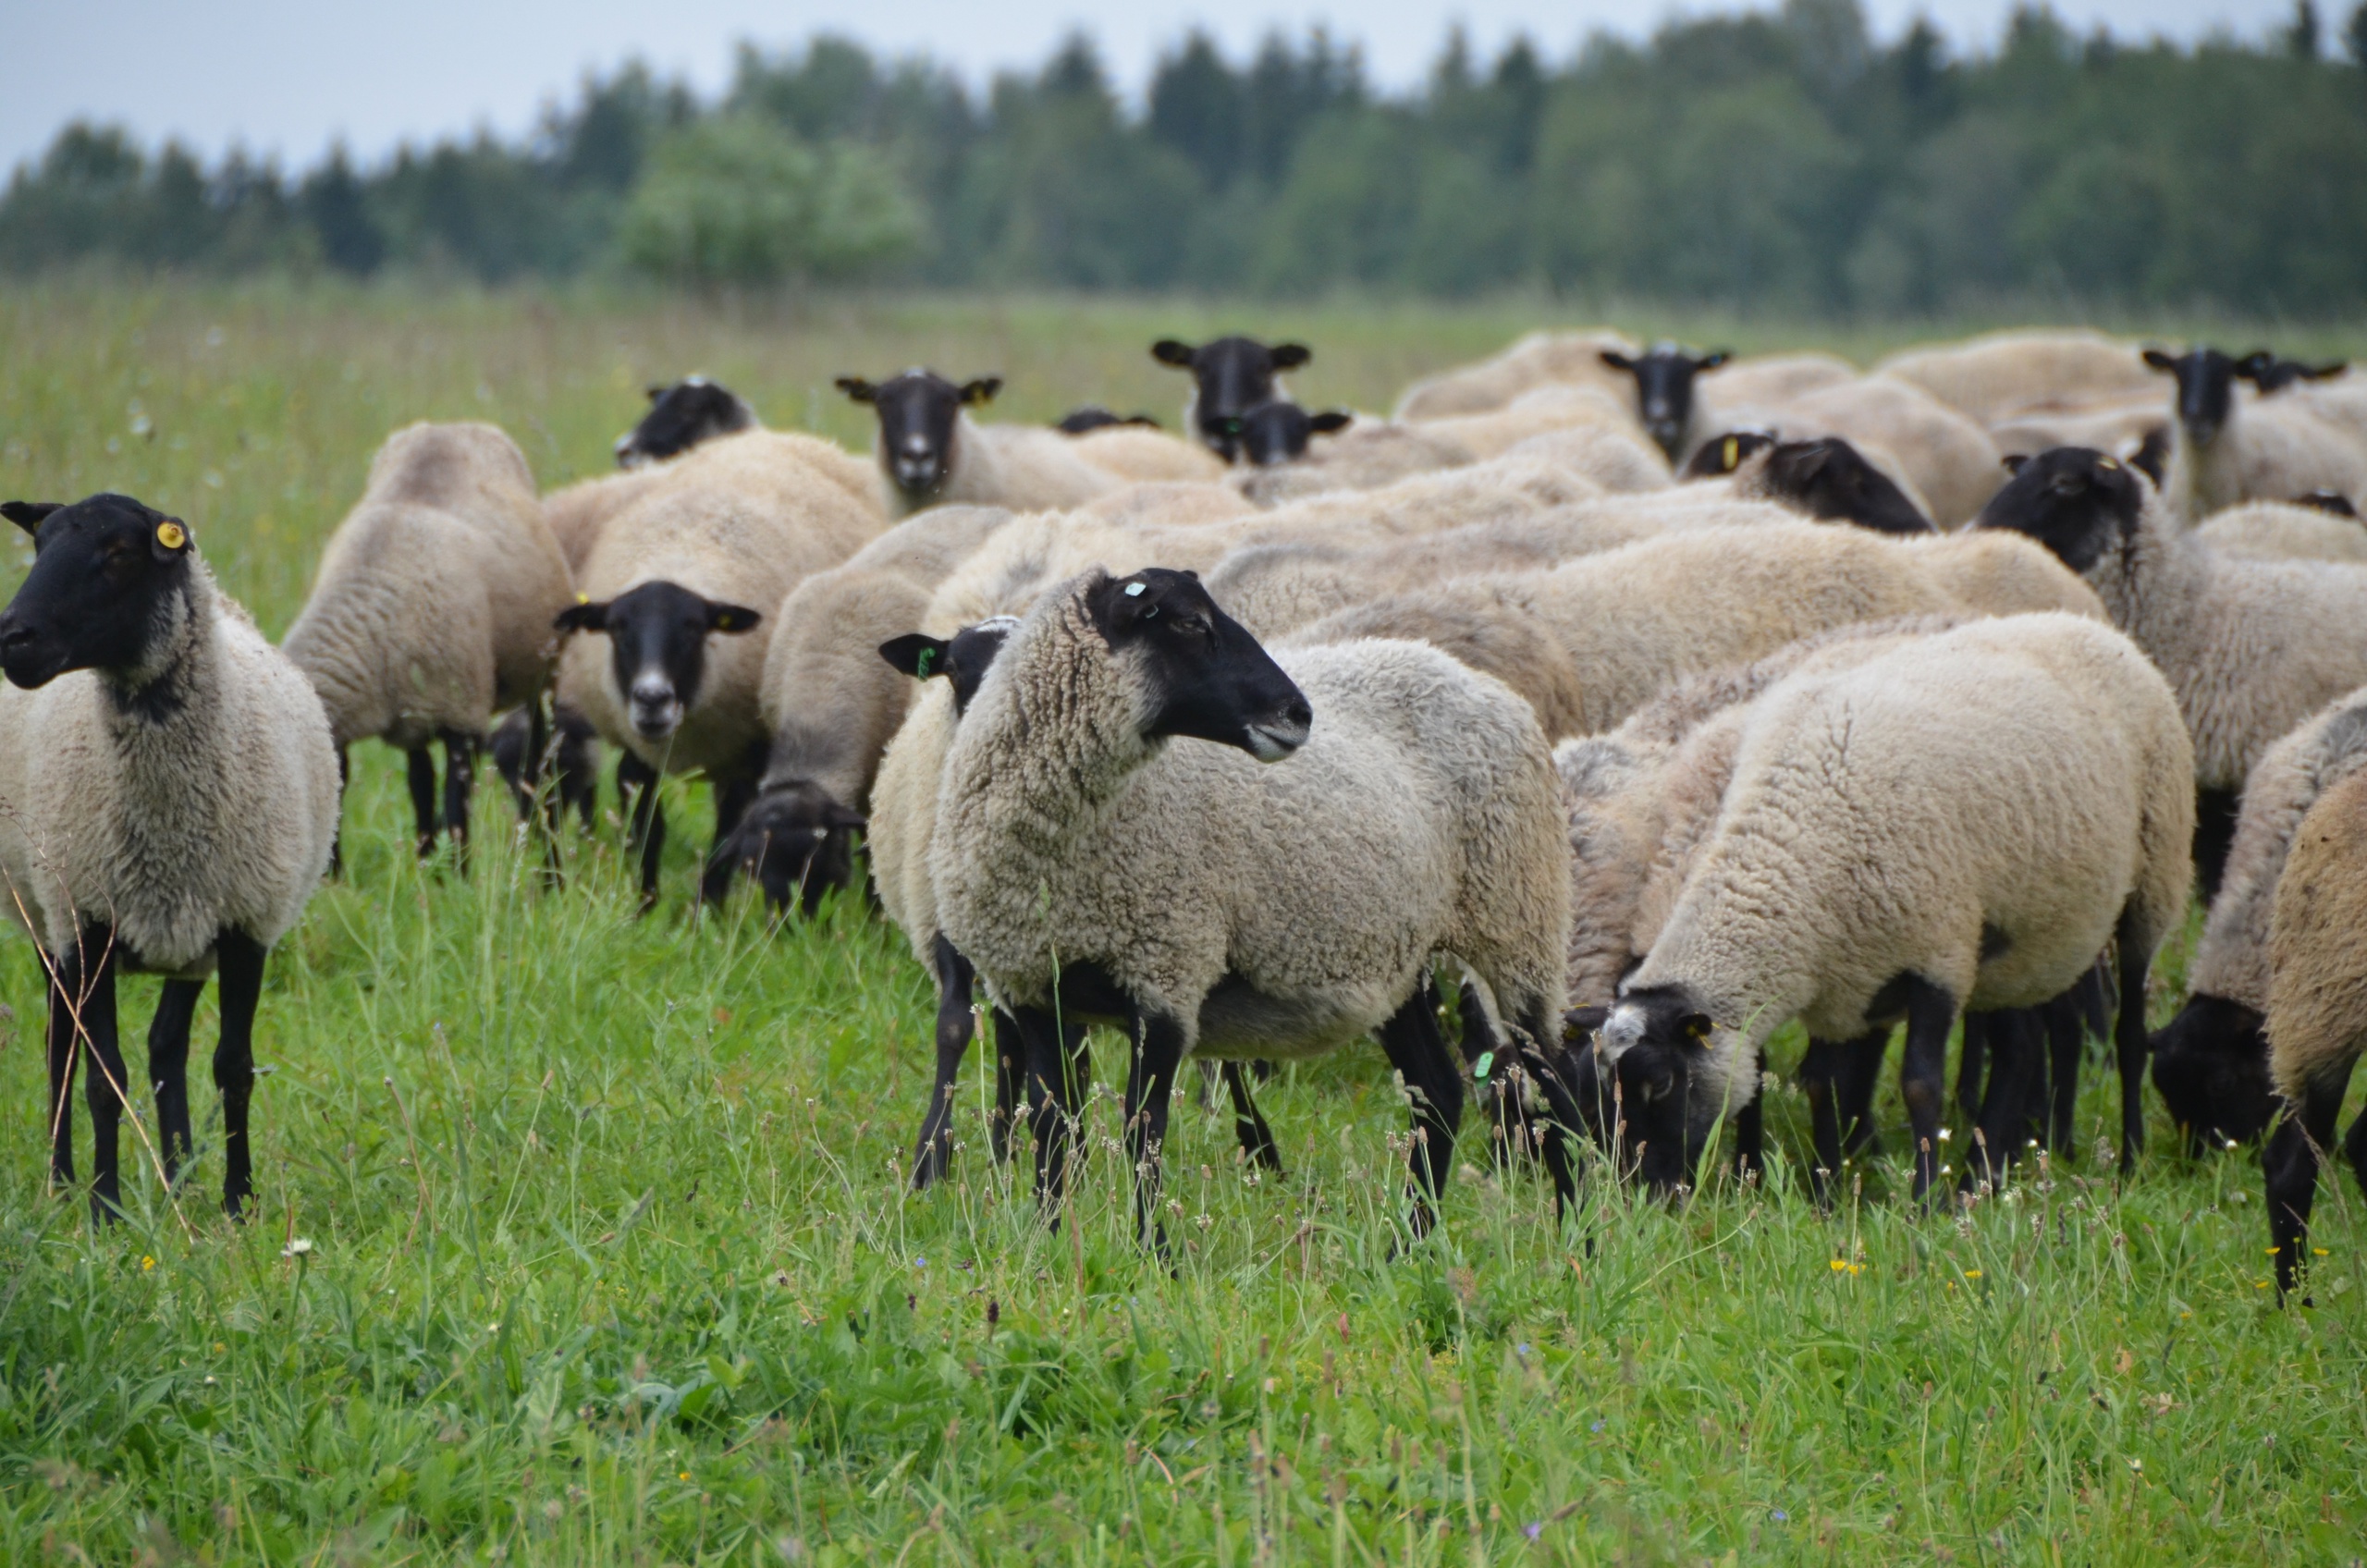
(611, 1258)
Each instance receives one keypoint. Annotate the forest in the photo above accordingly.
(1783, 160)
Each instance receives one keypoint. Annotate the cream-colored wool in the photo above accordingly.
(1369, 454)
(1165, 505)
(1419, 819)
(2279, 531)
(2003, 374)
(2270, 450)
(2116, 428)
(903, 817)
(1538, 359)
(1952, 463)
(432, 604)
(1872, 829)
(1622, 462)
(1990, 571)
(1759, 379)
(1539, 412)
(577, 512)
(1139, 455)
(2317, 989)
(1025, 467)
(216, 811)
(739, 520)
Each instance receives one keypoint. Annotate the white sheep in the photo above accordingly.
(168, 799)
(1367, 455)
(1536, 412)
(2228, 449)
(2004, 375)
(1856, 874)
(931, 453)
(1094, 857)
(1539, 360)
(1948, 458)
(2284, 531)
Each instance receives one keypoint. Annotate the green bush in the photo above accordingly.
(738, 200)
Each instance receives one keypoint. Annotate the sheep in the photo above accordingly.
(930, 453)
(1948, 459)
(1539, 360)
(1774, 378)
(432, 609)
(1591, 641)
(570, 751)
(2120, 428)
(2317, 1011)
(168, 801)
(2226, 450)
(1368, 455)
(2286, 530)
(1855, 874)
(1087, 859)
(1168, 504)
(2211, 1061)
(1533, 413)
(830, 706)
(1277, 431)
(1229, 376)
(1829, 480)
(1664, 399)
(2269, 373)
(1093, 416)
(1623, 461)
(2003, 375)
(1139, 455)
(737, 525)
(577, 512)
(679, 417)
(2252, 647)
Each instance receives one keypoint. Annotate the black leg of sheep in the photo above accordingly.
(1412, 1041)
(168, 1069)
(239, 983)
(1931, 1016)
(62, 1058)
(1150, 1092)
(2134, 949)
(2290, 1166)
(1248, 1123)
(82, 1012)
(2002, 1123)
(1055, 1082)
(955, 1022)
(645, 819)
(1839, 1078)
(460, 782)
(419, 773)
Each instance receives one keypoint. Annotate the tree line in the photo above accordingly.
(1777, 159)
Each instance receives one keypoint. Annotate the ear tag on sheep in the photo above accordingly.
(1134, 590)
(1733, 456)
(582, 598)
(2107, 464)
(171, 534)
(1479, 1069)
(922, 662)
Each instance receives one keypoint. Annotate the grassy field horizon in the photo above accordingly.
(610, 1256)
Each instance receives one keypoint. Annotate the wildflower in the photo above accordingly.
(296, 1248)
(146, 1263)
(1595, 1428)
(1779, 1516)
(920, 1260)
(2320, 1252)
(2138, 1465)
(1838, 1265)
(1972, 1273)
(683, 1476)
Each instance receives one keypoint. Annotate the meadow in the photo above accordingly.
(584, 1238)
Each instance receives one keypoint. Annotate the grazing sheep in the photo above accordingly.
(2003, 375)
(2226, 450)
(2286, 530)
(1276, 432)
(1093, 416)
(931, 454)
(432, 608)
(831, 705)
(737, 523)
(1088, 858)
(679, 417)
(1950, 460)
(1664, 399)
(168, 799)
(570, 753)
(1540, 359)
(2252, 647)
(1829, 480)
(1229, 376)
(2317, 1011)
(2211, 1061)
(1855, 875)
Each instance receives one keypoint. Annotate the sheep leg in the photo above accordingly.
(2216, 812)
(1150, 1092)
(1818, 1069)
(459, 781)
(2002, 1120)
(421, 771)
(954, 1024)
(65, 981)
(2354, 1148)
(2290, 1167)
(103, 1081)
(646, 819)
(1861, 1074)
(1971, 1062)
(1931, 1015)
(1479, 1042)
(1054, 1099)
(337, 839)
(1750, 1127)
(2128, 1034)
(1248, 1126)
(1414, 1046)
(240, 980)
(731, 802)
(1010, 1053)
(168, 1069)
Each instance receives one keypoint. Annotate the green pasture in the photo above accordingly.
(611, 1258)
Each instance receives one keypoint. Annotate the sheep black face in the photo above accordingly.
(1231, 376)
(2075, 501)
(1831, 479)
(1204, 675)
(917, 411)
(657, 642)
(2206, 387)
(2332, 502)
(679, 417)
(2211, 1064)
(1275, 433)
(1664, 389)
(108, 588)
(794, 840)
(2269, 373)
(961, 659)
(1634, 1083)
(1093, 416)
(1721, 455)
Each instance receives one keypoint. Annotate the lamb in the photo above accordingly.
(1855, 875)
(2226, 450)
(2004, 375)
(432, 609)
(1664, 397)
(1229, 376)
(736, 525)
(1539, 360)
(2317, 1011)
(1948, 459)
(2286, 530)
(1593, 640)
(930, 453)
(1089, 859)
(679, 417)
(2251, 647)
(168, 799)
(2211, 1061)
(830, 706)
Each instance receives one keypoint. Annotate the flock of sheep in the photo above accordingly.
(1644, 701)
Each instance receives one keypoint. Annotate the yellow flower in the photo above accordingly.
(146, 1263)
(2260, 1284)
(1838, 1265)
(1972, 1273)
(2273, 1251)
(683, 1476)
(2321, 1252)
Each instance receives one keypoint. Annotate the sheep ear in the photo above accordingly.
(1167, 351)
(982, 390)
(2014, 462)
(1713, 361)
(854, 387)
(1616, 359)
(172, 538)
(2160, 360)
(916, 653)
(1580, 1022)
(585, 617)
(2326, 372)
(1694, 1027)
(732, 618)
(1290, 356)
(28, 515)
(1326, 422)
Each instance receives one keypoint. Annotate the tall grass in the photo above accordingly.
(611, 1258)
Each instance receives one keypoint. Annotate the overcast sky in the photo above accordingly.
(288, 76)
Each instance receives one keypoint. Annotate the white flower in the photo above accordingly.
(298, 1247)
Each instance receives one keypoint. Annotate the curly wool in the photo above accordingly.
(2317, 989)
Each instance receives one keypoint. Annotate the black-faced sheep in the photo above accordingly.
(168, 799)
(1829, 480)
(2227, 450)
(1229, 376)
(932, 454)
(1664, 399)
(2272, 374)
(1948, 460)
(1276, 432)
(679, 417)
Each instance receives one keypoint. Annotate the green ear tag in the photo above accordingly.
(920, 664)
(1479, 1069)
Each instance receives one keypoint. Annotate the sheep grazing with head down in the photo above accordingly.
(1854, 875)
(931, 453)
(1096, 857)
(2225, 449)
(168, 799)
(1229, 376)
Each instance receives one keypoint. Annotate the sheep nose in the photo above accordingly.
(916, 445)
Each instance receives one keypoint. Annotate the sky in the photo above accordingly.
(287, 78)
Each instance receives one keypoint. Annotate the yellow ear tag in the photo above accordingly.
(1734, 454)
(583, 598)
(171, 535)
(2107, 464)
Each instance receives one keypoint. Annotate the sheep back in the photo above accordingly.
(2317, 990)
